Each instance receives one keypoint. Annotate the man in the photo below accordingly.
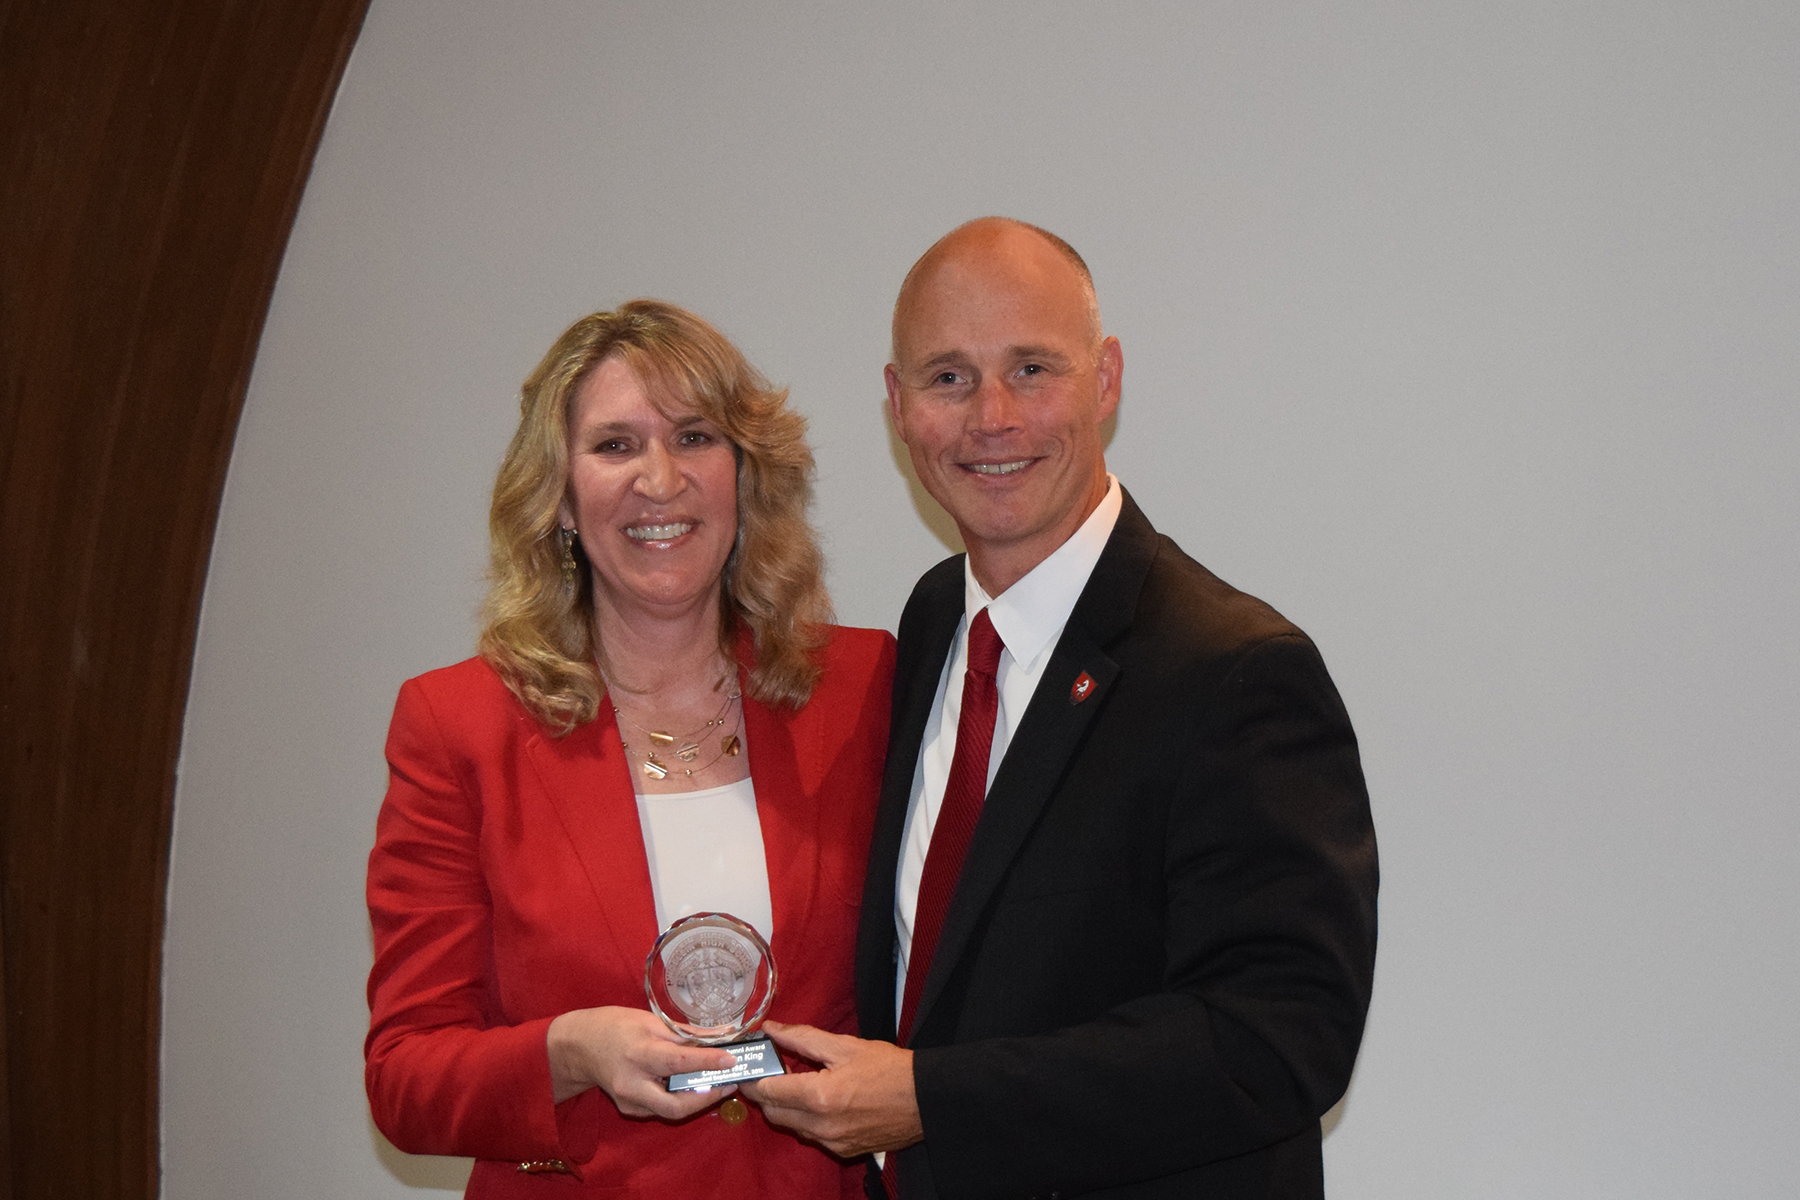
(1120, 910)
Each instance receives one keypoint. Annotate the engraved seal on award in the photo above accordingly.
(710, 977)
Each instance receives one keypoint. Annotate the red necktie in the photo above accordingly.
(963, 795)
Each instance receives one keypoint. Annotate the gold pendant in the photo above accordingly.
(734, 1111)
(688, 752)
(730, 745)
(659, 738)
(653, 768)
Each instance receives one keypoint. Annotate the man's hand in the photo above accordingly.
(860, 1102)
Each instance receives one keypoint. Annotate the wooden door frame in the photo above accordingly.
(152, 157)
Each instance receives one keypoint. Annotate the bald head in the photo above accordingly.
(989, 244)
(1000, 384)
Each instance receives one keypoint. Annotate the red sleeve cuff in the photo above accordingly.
(578, 1125)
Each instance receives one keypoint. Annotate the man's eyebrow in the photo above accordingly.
(960, 358)
(946, 358)
(1041, 352)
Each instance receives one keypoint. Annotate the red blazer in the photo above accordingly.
(509, 884)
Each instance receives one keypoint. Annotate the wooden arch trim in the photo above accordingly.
(152, 157)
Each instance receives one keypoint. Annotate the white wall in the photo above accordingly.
(1468, 335)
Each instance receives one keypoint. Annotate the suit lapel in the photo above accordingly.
(1055, 724)
(926, 630)
(588, 780)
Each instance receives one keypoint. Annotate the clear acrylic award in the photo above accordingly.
(710, 977)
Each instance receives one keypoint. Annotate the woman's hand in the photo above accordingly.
(630, 1055)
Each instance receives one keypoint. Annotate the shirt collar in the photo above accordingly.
(1030, 614)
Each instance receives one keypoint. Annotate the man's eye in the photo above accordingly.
(947, 377)
(1032, 369)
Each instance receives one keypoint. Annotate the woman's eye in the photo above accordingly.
(695, 437)
(612, 446)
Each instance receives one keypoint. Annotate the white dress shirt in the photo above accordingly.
(1029, 617)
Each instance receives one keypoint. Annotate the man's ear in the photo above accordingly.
(890, 375)
(1112, 375)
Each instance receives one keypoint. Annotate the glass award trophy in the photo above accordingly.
(710, 978)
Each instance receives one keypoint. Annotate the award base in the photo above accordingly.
(756, 1059)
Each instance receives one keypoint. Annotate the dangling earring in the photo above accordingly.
(568, 556)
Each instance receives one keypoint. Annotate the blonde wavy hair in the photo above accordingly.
(538, 630)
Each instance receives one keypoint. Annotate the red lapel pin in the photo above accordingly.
(1084, 687)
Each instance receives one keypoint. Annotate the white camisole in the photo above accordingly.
(706, 854)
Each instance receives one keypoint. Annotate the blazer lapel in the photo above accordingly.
(1055, 724)
(788, 819)
(588, 780)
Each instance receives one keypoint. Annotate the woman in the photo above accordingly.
(660, 722)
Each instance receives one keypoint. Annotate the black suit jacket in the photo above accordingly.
(1154, 970)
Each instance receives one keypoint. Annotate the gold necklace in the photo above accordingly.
(688, 750)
